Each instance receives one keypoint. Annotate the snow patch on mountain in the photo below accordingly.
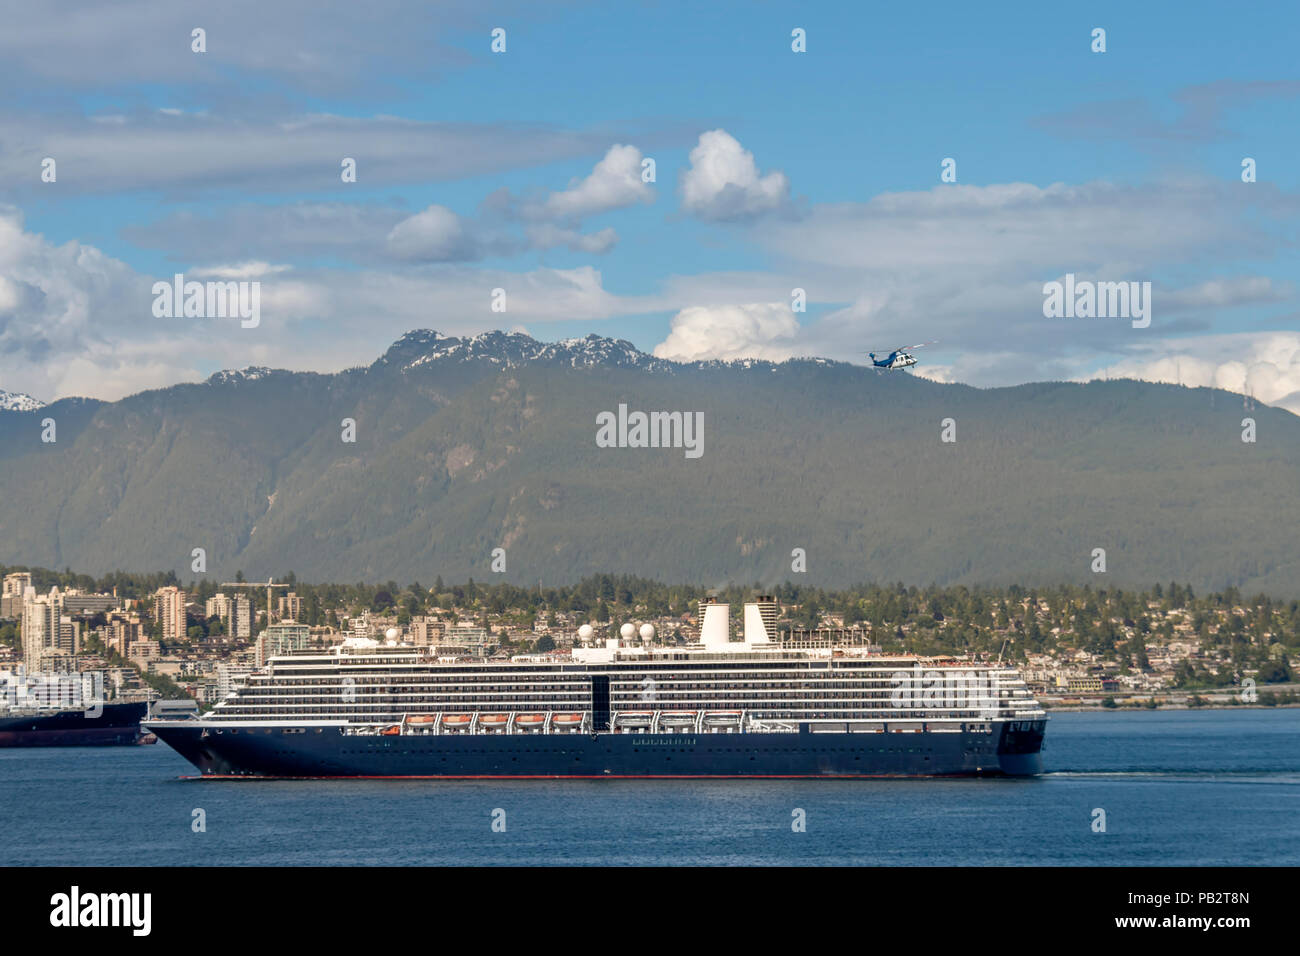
(232, 376)
(512, 349)
(18, 402)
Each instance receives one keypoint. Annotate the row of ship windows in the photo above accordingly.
(281, 665)
(505, 681)
(389, 717)
(657, 692)
(684, 702)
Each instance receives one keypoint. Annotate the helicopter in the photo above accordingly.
(898, 358)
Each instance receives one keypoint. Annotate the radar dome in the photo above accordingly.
(392, 633)
(585, 632)
(647, 632)
(627, 630)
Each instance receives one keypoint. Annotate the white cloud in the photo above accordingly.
(74, 321)
(194, 154)
(1264, 365)
(253, 269)
(763, 330)
(1227, 293)
(373, 233)
(434, 235)
(723, 183)
(56, 295)
(292, 229)
(1021, 227)
(935, 373)
(614, 183)
(966, 265)
(547, 236)
(287, 44)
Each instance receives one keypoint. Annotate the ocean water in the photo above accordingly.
(1177, 788)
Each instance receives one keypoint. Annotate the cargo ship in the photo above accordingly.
(65, 710)
(720, 708)
(108, 724)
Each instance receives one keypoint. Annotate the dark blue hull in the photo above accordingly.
(116, 724)
(1013, 748)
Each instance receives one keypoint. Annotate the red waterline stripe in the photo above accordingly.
(605, 776)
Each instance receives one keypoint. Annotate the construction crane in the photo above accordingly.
(253, 584)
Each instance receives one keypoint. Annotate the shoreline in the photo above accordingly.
(1218, 698)
(1092, 706)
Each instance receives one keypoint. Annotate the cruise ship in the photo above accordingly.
(764, 706)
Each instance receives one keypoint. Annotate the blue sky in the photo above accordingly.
(775, 169)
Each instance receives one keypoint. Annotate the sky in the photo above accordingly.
(528, 170)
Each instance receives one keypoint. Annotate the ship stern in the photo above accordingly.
(1020, 748)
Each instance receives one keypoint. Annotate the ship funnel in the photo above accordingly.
(760, 620)
(715, 623)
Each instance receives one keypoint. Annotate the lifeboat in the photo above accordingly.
(392, 731)
(456, 721)
(722, 717)
(493, 721)
(420, 720)
(635, 718)
(677, 718)
(566, 720)
(530, 720)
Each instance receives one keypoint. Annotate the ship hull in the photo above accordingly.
(115, 725)
(1013, 749)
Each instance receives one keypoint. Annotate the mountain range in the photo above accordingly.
(465, 445)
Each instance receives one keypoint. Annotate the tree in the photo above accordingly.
(1275, 672)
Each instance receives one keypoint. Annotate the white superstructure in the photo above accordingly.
(717, 685)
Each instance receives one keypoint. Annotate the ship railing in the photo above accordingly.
(705, 721)
(762, 726)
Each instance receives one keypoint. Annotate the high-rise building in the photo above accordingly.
(122, 629)
(229, 678)
(289, 607)
(144, 650)
(218, 606)
(169, 609)
(426, 631)
(45, 632)
(16, 583)
(87, 605)
(12, 592)
(242, 615)
(281, 639)
(463, 640)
